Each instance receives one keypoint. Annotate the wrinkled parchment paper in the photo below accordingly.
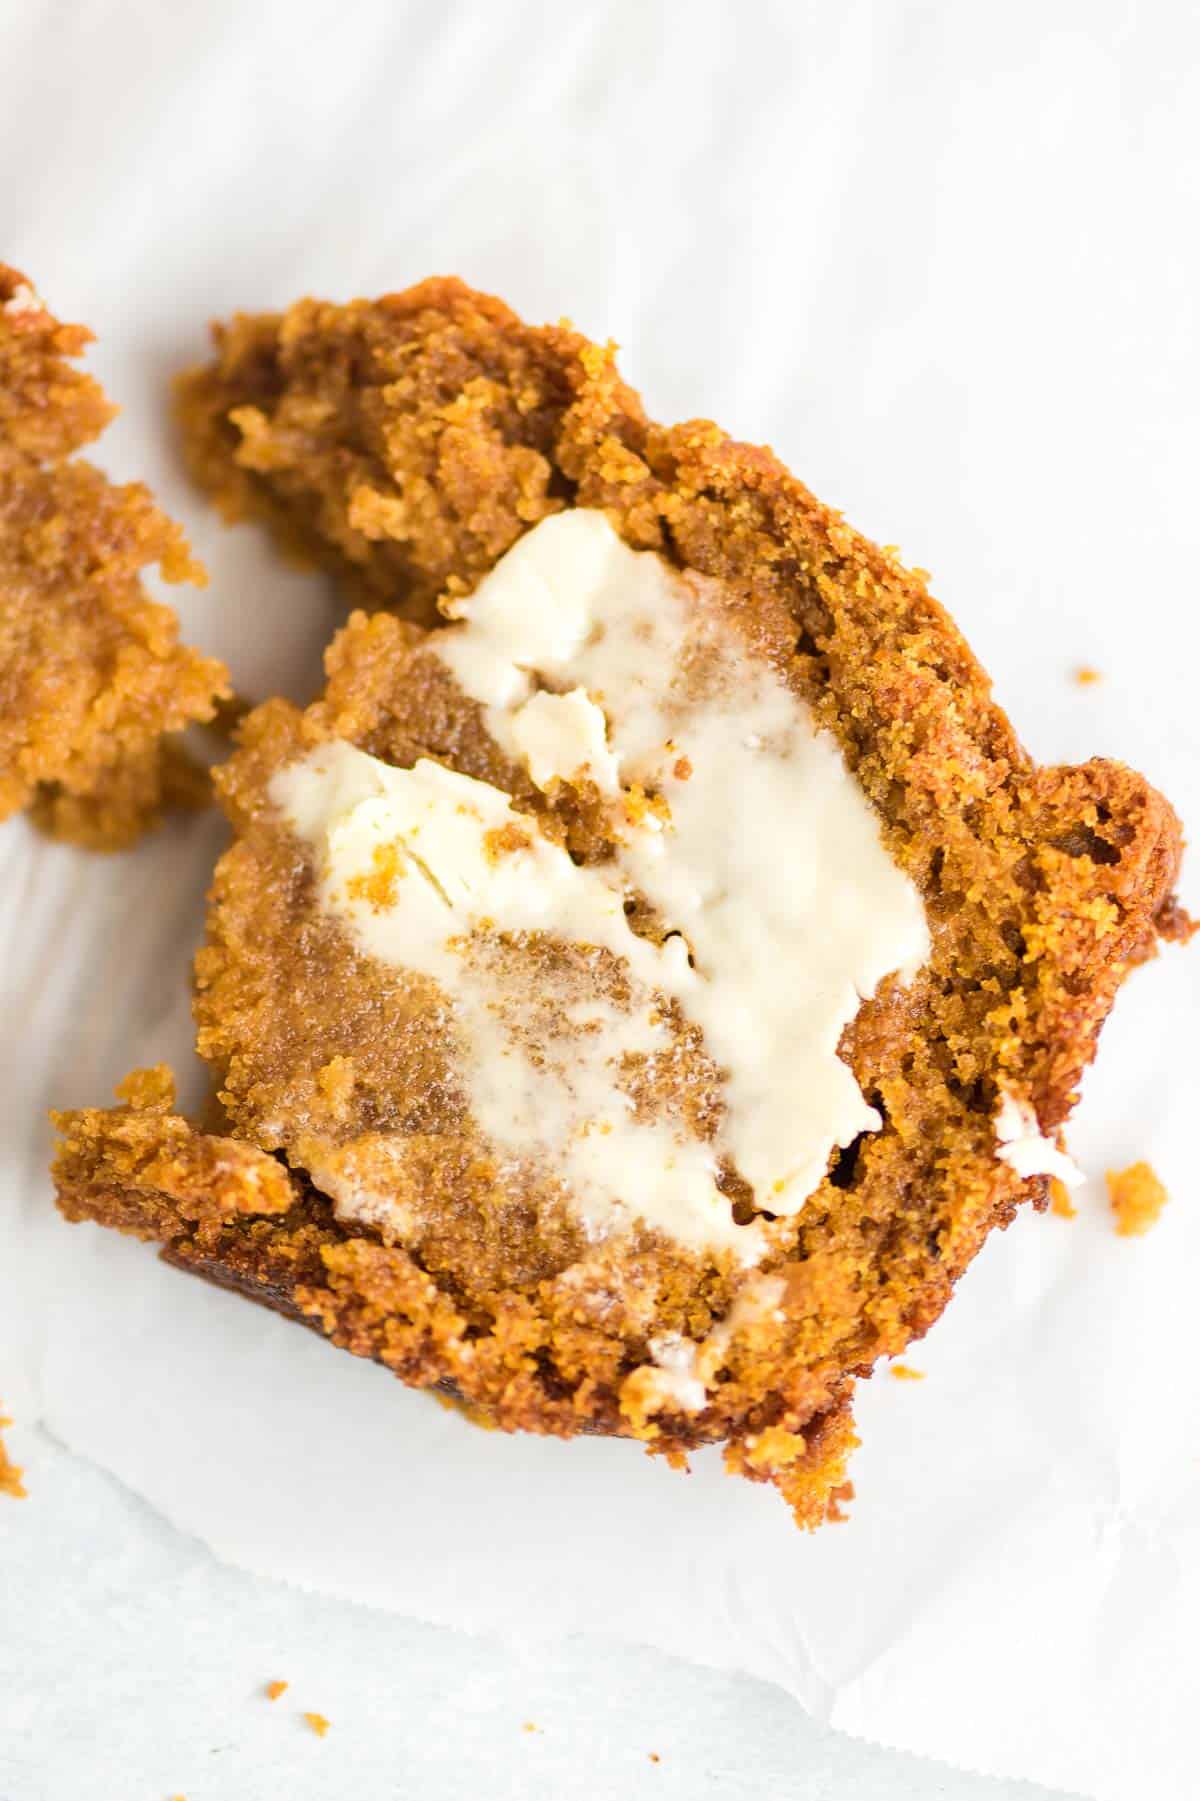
(940, 258)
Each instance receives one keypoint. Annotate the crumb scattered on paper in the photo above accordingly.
(275, 1689)
(530, 1727)
(1086, 676)
(654, 1757)
(10, 1474)
(1060, 1200)
(1137, 1198)
(1176, 923)
(906, 1373)
(318, 1722)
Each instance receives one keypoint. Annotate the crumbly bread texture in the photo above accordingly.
(92, 673)
(407, 443)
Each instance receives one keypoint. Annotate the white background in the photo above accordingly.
(943, 258)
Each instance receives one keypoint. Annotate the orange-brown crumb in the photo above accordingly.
(1174, 923)
(378, 888)
(904, 1372)
(638, 805)
(467, 1410)
(149, 1090)
(503, 840)
(773, 1448)
(10, 1474)
(1086, 676)
(1061, 1203)
(275, 1689)
(839, 1499)
(318, 1722)
(92, 673)
(654, 1757)
(1137, 1197)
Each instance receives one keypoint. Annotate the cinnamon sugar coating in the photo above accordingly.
(406, 444)
(92, 674)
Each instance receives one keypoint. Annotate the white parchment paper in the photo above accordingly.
(943, 259)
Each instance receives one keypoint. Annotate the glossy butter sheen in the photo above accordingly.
(760, 854)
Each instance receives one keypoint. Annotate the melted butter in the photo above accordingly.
(562, 736)
(758, 852)
(464, 874)
(770, 864)
(1021, 1144)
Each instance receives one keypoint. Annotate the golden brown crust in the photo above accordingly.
(407, 444)
(143, 1168)
(135, 795)
(404, 444)
(47, 408)
(226, 1212)
(91, 671)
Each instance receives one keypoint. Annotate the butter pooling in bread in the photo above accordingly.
(770, 907)
(406, 444)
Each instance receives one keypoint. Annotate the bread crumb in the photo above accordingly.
(318, 1722)
(1085, 676)
(476, 1416)
(835, 1506)
(10, 1474)
(654, 1757)
(1175, 923)
(530, 1727)
(275, 1689)
(1060, 1200)
(505, 841)
(904, 1372)
(1137, 1197)
(148, 1090)
(380, 887)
